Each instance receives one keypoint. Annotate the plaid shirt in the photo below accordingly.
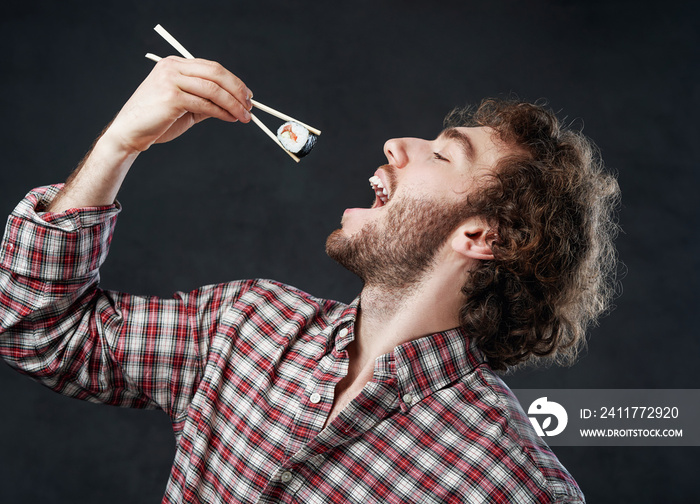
(247, 370)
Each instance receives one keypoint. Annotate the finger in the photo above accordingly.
(202, 108)
(215, 72)
(214, 93)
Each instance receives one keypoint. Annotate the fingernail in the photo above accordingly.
(246, 115)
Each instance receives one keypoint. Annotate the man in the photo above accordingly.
(485, 248)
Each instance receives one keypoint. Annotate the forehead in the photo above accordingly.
(480, 145)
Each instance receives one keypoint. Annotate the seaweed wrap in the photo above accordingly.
(296, 138)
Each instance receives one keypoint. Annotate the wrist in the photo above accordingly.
(115, 145)
(97, 180)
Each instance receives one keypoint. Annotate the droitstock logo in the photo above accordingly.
(542, 408)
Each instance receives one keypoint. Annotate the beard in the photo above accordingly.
(396, 252)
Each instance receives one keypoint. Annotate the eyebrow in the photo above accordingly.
(461, 138)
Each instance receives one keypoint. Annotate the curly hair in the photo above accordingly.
(553, 207)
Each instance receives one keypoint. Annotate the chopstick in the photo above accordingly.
(185, 53)
(172, 41)
(257, 121)
(285, 117)
(273, 136)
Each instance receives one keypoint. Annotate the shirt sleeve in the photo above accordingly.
(59, 327)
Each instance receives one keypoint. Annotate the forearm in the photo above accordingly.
(98, 178)
(59, 327)
(48, 276)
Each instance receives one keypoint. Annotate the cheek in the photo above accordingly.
(435, 187)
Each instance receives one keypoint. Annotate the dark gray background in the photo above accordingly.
(224, 202)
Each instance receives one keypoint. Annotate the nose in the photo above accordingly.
(396, 152)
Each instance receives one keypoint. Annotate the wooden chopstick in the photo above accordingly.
(185, 53)
(273, 136)
(285, 117)
(172, 41)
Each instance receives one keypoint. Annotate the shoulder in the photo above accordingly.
(264, 291)
(272, 301)
(493, 416)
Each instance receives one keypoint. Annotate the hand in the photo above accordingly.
(177, 94)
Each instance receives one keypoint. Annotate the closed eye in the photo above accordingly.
(439, 156)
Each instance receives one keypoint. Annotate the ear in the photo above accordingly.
(473, 239)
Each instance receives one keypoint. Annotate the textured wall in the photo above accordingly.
(224, 202)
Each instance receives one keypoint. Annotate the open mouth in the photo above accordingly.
(380, 191)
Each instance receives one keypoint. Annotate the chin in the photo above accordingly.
(336, 243)
(336, 246)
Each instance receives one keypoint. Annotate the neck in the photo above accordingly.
(389, 317)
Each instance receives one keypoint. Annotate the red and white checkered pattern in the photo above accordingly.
(247, 371)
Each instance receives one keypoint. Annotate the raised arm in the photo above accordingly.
(55, 323)
(177, 94)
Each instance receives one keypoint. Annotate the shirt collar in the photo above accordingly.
(421, 366)
(344, 327)
(428, 364)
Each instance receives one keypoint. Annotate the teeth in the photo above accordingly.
(379, 189)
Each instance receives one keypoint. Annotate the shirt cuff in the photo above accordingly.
(56, 246)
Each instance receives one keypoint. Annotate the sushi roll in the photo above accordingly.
(296, 138)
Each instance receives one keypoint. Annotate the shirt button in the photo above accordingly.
(286, 477)
(315, 398)
(408, 399)
(343, 332)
